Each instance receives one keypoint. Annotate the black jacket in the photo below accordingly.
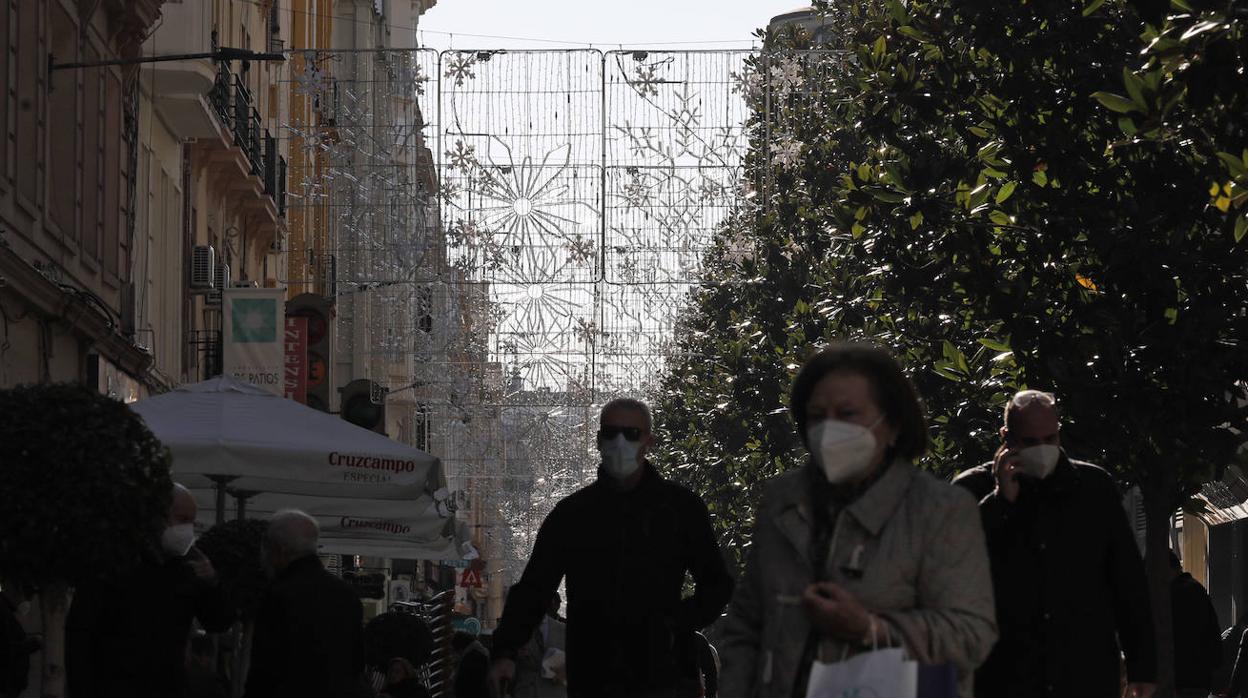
(1197, 635)
(625, 555)
(15, 650)
(309, 640)
(1069, 586)
(129, 639)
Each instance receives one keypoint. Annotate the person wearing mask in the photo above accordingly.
(129, 638)
(1071, 592)
(859, 548)
(309, 638)
(1197, 634)
(625, 544)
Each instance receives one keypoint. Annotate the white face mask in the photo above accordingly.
(842, 449)
(1039, 461)
(177, 540)
(619, 456)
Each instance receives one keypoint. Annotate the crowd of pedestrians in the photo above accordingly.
(1020, 579)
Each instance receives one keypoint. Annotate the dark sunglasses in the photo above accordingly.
(606, 433)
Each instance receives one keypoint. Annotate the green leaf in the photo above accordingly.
(1000, 218)
(1172, 315)
(898, 11)
(916, 220)
(1127, 124)
(1236, 165)
(1241, 227)
(913, 33)
(1183, 5)
(1135, 87)
(1040, 178)
(1006, 191)
(877, 51)
(1092, 7)
(1114, 102)
(995, 345)
(981, 132)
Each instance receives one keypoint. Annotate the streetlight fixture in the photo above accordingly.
(221, 54)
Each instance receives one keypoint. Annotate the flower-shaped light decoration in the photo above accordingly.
(787, 151)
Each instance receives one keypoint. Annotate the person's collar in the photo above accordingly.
(648, 477)
(875, 505)
(1064, 475)
(300, 564)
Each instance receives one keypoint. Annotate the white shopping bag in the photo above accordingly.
(879, 674)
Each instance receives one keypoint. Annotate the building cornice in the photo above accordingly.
(52, 300)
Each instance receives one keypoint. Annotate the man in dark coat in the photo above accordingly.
(1069, 582)
(15, 645)
(625, 544)
(1197, 634)
(309, 640)
(128, 639)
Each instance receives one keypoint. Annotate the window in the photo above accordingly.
(29, 137)
(422, 424)
(63, 125)
(114, 171)
(92, 159)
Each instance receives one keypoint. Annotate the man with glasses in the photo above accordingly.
(625, 544)
(1071, 593)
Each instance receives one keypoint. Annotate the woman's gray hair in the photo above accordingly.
(293, 532)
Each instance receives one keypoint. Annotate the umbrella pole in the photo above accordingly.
(221, 481)
(241, 496)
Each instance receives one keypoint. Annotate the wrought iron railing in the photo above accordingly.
(235, 106)
(205, 354)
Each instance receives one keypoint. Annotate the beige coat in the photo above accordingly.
(919, 544)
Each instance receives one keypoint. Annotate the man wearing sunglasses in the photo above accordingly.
(1070, 588)
(625, 544)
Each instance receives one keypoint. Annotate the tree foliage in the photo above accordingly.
(86, 486)
(1007, 195)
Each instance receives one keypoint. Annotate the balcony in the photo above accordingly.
(244, 157)
(203, 355)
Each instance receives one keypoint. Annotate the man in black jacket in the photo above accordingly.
(128, 638)
(309, 640)
(1197, 634)
(1069, 581)
(625, 544)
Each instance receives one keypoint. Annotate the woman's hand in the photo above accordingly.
(835, 612)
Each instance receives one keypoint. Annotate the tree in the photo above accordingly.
(86, 489)
(956, 181)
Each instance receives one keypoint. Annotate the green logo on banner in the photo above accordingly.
(254, 320)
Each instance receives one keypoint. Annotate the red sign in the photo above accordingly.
(470, 579)
(296, 373)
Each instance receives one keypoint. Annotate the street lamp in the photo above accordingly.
(220, 54)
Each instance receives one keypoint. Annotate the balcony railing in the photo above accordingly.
(235, 106)
(205, 354)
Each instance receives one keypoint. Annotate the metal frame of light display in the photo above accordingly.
(539, 272)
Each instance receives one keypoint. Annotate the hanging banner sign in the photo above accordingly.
(252, 347)
(296, 385)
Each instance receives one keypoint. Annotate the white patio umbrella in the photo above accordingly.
(371, 495)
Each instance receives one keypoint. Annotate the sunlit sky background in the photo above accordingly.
(606, 24)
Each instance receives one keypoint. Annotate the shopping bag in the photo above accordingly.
(879, 674)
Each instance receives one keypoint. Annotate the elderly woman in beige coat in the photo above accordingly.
(859, 548)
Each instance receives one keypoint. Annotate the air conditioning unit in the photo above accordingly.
(203, 267)
(245, 283)
(222, 281)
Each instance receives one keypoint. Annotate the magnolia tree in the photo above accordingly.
(1006, 195)
(86, 489)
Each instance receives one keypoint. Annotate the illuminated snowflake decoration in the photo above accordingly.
(787, 152)
(786, 77)
(462, 157)
(459, 68)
